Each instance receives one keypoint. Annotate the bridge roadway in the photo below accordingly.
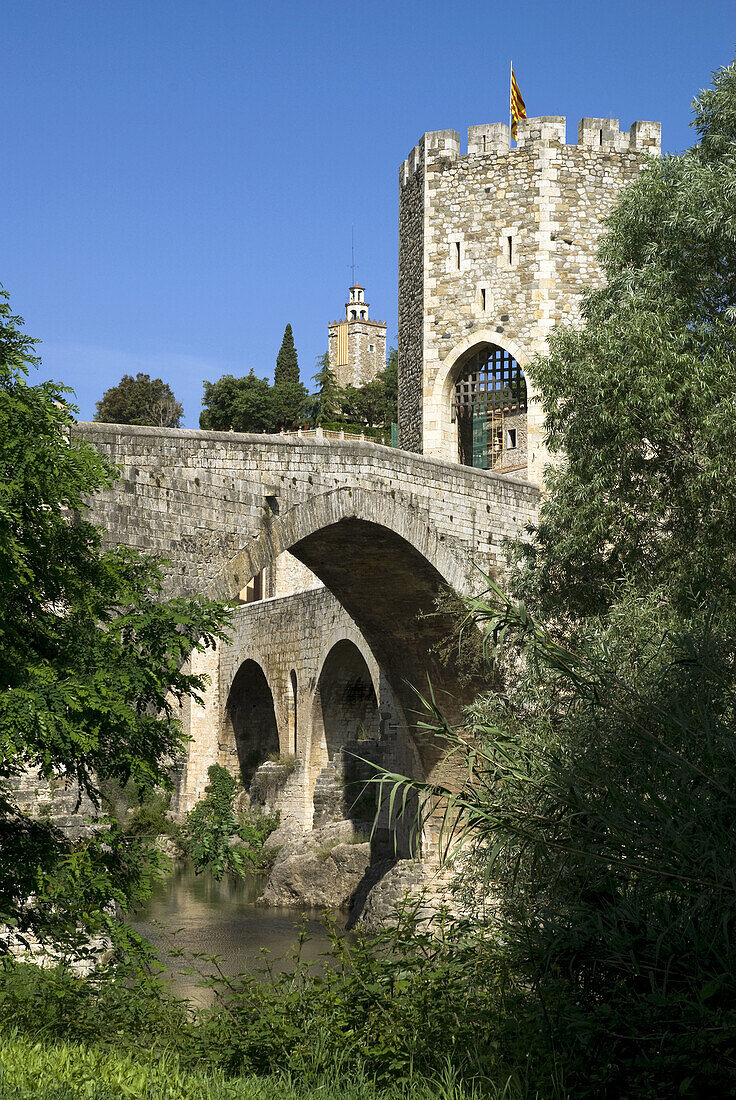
(384, 529)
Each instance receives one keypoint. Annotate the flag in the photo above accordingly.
(518, 107)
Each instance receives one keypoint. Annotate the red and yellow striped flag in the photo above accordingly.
(518, 107)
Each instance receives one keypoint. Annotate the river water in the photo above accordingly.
(190, 917)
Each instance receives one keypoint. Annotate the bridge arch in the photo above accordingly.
(250, 731)
(382, 559)
(355, 725)
(440, 430)
(345, 705)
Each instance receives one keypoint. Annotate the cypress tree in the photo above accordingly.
(287, 365)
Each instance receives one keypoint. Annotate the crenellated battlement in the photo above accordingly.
(497, 246)
(545, 132)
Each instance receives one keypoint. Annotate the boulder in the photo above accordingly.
(287, 831)
(322, 869)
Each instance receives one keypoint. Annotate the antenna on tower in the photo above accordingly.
(353, 264)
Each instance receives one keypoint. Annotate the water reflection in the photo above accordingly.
(194, 915)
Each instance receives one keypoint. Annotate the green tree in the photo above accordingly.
(327, 402)
(140, 400)
(287, 364)
(639, 401)
(243, 404)
(289, 396)
(289, 403)
(375, 402)
(391, 388)
(92, 658)
(599, 808)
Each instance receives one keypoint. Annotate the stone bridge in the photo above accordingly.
(383, 529)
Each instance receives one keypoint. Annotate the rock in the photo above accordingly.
(288, 831)
(406, 881)
(268, 783)
(241, 805)
(96, 951)
(322, 869)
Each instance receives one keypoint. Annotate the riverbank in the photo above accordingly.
(71, 1071)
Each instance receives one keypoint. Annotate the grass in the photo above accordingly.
(72, 1071)
(283, 759)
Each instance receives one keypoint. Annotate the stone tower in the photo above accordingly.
(357, 345)
(496, 248)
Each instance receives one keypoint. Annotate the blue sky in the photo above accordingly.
(181, 177)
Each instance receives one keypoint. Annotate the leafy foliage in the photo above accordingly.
(599, 810)
(288, 395)
(243, 404)
(373, 405)
(326, 402)
(215, 838)
(92, 659)
(140, 400)
(639, 402)
(250, 404)
(287, 363)
(397, 1013)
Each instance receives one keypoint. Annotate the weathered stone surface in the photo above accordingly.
(58, 800)
(268, 784)
(384, 530)
(167, 846)
(406, 883)
(222, 506)
(97, 952)
(323, 868)
(288, 831)
(498, 246)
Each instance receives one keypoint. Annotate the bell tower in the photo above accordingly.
(357, 345)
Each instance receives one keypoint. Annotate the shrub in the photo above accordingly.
(212, 830)
(205, 835)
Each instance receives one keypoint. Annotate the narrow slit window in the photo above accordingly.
(511, 439)
(600, 137)
(510, 242)
(457, 255)
(483, 299)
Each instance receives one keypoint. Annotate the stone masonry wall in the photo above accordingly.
(411, 301)
(383, 529)
(508, 242)
(206, 499)
(293, 634)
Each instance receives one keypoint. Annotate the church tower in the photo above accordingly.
(357, 345)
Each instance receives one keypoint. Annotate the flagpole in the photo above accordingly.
(511, 77)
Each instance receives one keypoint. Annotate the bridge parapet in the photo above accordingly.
(201, 498)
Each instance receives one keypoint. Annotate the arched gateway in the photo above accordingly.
(489, 406)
